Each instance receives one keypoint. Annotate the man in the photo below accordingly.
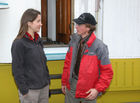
(87, 70)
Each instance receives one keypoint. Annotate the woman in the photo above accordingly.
(29, 61)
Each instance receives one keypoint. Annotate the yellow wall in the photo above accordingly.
(125, 86)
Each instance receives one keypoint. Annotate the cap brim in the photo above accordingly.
(77, 21)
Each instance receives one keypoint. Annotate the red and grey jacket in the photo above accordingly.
(95, 70)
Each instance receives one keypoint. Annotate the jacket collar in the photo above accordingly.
(28, 36)
(91, 39)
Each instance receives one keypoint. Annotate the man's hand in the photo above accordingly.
(64, 89)
(92, 94)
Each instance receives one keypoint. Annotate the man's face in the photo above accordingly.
(82, 29)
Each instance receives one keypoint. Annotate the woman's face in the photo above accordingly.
(35, 25)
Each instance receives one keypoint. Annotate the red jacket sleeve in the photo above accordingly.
(106, 72)
(66, 68)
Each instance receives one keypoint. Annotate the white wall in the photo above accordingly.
(52, 19)
(81, 6)
(121, 29)
(9, 24)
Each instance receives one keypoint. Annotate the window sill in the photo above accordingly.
(55, 53)
(4, 6)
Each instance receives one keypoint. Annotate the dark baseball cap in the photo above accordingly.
(85, 18)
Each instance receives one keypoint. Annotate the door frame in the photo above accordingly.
(44, 19)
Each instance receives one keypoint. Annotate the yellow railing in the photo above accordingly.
(125, 86)
(126, 74)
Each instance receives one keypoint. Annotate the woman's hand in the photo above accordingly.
(24, 95)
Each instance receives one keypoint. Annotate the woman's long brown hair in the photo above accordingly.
(28, 16)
